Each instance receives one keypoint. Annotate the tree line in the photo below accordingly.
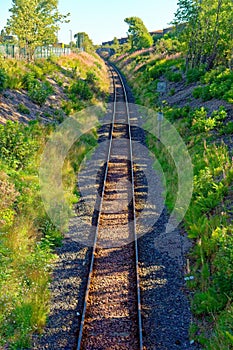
(202, 30)
(34, 23)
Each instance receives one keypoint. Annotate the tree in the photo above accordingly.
(2, 36)
(116, 43)
(35, 23)
(83, 42)
(206, 28)
(138, 34)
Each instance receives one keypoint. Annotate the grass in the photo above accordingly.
(27, 235)
(85, 75)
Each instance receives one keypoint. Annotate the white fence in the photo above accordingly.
(8, 50)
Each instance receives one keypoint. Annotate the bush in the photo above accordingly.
(202, 92)
(223, 262)
(23, 109)
(194, 75)
(176, 113)
(28, 80)
(174, 77)
(16, 145)
(81, 89)
(228, 128)
(3, 79)
(201, 121)
(39, 92)
(208, 302)
(219, 85)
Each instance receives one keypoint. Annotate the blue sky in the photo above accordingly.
(103, 20)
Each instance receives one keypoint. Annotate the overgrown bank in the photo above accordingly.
(50, 90)
(199, 104)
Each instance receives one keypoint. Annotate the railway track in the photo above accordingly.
(111, 317)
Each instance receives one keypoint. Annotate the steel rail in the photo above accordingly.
(100, 209)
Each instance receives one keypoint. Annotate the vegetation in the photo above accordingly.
(81, 77)
(35, 23)
(206, 28)
(207, 134)
(83, 42)
(28, 236)
(139, 36)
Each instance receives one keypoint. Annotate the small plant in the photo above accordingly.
(194, 74)
(3, 79)
(81, 89)
(228, 128)
(16, 146)
(174, 76)
(202, 92)
(39, 92)
(28, 80)
(23, 109)
(172, 92)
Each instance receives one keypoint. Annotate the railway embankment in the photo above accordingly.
(198, 104)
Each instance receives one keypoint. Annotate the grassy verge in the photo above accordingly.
(27, 236)
(54, 87)
(208, 221)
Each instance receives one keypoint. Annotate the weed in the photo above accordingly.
(23, 109)
(3, 79)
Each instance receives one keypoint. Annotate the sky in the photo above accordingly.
(102, 20)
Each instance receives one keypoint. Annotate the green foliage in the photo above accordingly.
(174, 77)
(202, 122)
(34, 22)
(23, 109)
(207, 42)
(16, 145)
(175, 113)
(227, 129)
(84, 42)
(220, 85)
(138, 33)
(207, 302)
(168, 46)
(223, 262)
(194, 74)
(3, 79)
(82, 90)
(159, 67)
(28, 236)
(39, 91)
(222, 337)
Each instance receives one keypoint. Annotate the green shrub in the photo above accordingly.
(16, 145)
(23, 109)
(39, 92)
(202, 92)
(219, 85)
(175, 113)
(208, 302)
(194, 74)
(81, 89)
(223, 262)
(222, 336)
(202, 122)
(28, 80)
(174, 76)
(3, 79)
(228, 128)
